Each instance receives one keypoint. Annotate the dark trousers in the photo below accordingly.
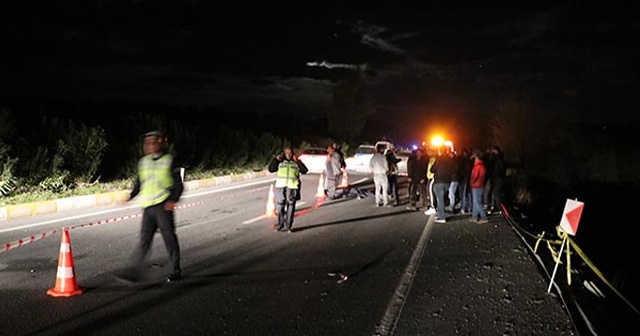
(393, 187)
(496, 194)
(156, 218)
(285, 207)
(418, 192)
(440, 190)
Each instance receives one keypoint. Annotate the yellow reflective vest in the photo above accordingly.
(155, 179)
(430, 175)
(288, 175)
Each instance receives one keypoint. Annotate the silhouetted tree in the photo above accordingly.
(352, 108)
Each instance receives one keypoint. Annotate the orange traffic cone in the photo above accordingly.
(345, 181)
(320, 190)
(271, 204)
(66, 284)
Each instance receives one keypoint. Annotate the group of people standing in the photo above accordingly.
(435, 177)
(440, 178)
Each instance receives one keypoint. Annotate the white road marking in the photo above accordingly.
(395, 305)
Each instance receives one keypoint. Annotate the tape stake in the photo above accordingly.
(556, 267)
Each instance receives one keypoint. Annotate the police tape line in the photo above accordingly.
(31, 239)
(25, 241)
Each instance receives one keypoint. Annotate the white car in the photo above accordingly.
(403, 154)
(385, 144)
(315, 158)
(363, 156)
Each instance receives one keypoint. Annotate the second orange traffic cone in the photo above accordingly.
(66, 284)
(271, 204)
(320, 190)
(345, 181)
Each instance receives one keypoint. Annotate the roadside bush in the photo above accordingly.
(7, 180)
(82, 150)
(52, 157)
(263, 148)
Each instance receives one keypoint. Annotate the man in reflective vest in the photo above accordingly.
(158, 187)
(287, 189)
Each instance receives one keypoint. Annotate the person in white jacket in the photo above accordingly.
(379, 166)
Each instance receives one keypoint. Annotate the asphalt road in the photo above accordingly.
(348, 268)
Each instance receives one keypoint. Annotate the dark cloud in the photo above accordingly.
(421, 63)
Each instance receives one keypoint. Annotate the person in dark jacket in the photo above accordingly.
(417, 177)
(442, 169)
(465, 163)
(497, 174)
(487, 159)
(287, 189)
(338, 149)
(393, 161)
(455, 181)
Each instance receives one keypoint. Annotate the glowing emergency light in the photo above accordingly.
(437, 141)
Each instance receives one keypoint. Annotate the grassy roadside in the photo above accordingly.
(104, 187)
(46, 195)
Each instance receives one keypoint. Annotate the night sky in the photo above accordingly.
(426, 67)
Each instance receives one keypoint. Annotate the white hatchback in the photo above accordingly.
(315, 158)
(363, 156)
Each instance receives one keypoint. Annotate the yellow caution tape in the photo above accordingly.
(570, 243)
